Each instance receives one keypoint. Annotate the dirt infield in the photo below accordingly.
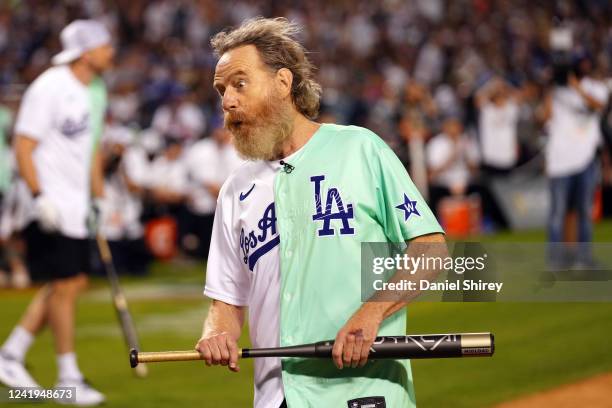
(594, 392)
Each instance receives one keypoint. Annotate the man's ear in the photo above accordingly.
(284, 80)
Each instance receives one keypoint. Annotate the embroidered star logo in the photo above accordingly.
(408, 207)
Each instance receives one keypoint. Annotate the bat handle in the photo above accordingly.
(149, 357)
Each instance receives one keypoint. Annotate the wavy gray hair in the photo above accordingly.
(275, 40)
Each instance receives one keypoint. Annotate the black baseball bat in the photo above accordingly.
(119, 301)
(397, 347)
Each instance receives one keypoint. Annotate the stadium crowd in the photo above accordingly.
(458, 89)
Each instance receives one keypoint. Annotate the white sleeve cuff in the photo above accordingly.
(224, 297)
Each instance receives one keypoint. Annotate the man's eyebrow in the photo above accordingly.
(234, 73)
(217, 84)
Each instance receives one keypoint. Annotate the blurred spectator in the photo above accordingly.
(167, 175)
(14, 217)
(123, 104)
(122, 205)
(413, 133)
(573, 112)
(452, 158)
(168, 185)
(210, 161)
(179, 118)
(14, 205)
(529, 129)
(498, 106)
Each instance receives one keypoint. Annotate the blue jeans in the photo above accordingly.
(575, 191)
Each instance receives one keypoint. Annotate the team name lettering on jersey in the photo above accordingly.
(253, 244)
(327, 215)
(71, 128)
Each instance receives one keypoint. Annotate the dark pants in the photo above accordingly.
(52, 256)
(575, 191)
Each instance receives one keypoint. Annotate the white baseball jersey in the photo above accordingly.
(283, 244)
(245, 215)
(56, 111)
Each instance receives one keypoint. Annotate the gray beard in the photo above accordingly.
(264, 141)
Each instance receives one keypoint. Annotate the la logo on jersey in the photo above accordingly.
(328, 214)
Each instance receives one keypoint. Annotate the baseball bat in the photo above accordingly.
(396, 347)
(120, 302)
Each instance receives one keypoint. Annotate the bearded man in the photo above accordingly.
(288, 230)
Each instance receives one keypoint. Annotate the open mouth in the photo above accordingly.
(236, 124)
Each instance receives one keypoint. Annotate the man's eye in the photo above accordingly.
(241, 83)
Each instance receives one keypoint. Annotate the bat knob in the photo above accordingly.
(141, 370)
(133, 358)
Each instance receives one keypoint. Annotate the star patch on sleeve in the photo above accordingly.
(408, 207)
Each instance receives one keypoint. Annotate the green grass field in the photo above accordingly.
(538, 346)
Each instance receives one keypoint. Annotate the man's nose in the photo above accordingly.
(230, 101)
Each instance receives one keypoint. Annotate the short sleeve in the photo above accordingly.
(35, 113)
(226, 278)
(402, 210)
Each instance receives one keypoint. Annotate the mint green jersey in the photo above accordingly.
(344, 187)
(98, 98)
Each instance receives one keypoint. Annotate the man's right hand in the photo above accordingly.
(218, 349)
(47, 214)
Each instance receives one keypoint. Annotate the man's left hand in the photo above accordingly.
(354, 340)
(94, 216)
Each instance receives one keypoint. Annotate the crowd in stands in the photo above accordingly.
(458, 89)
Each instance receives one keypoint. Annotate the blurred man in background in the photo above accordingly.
(453, 159)
(122, 205)
(13, 272)
(498, 106)
(179, 117)
(57, 137)
(573, 112)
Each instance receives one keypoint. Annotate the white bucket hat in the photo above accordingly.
(78, 37)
